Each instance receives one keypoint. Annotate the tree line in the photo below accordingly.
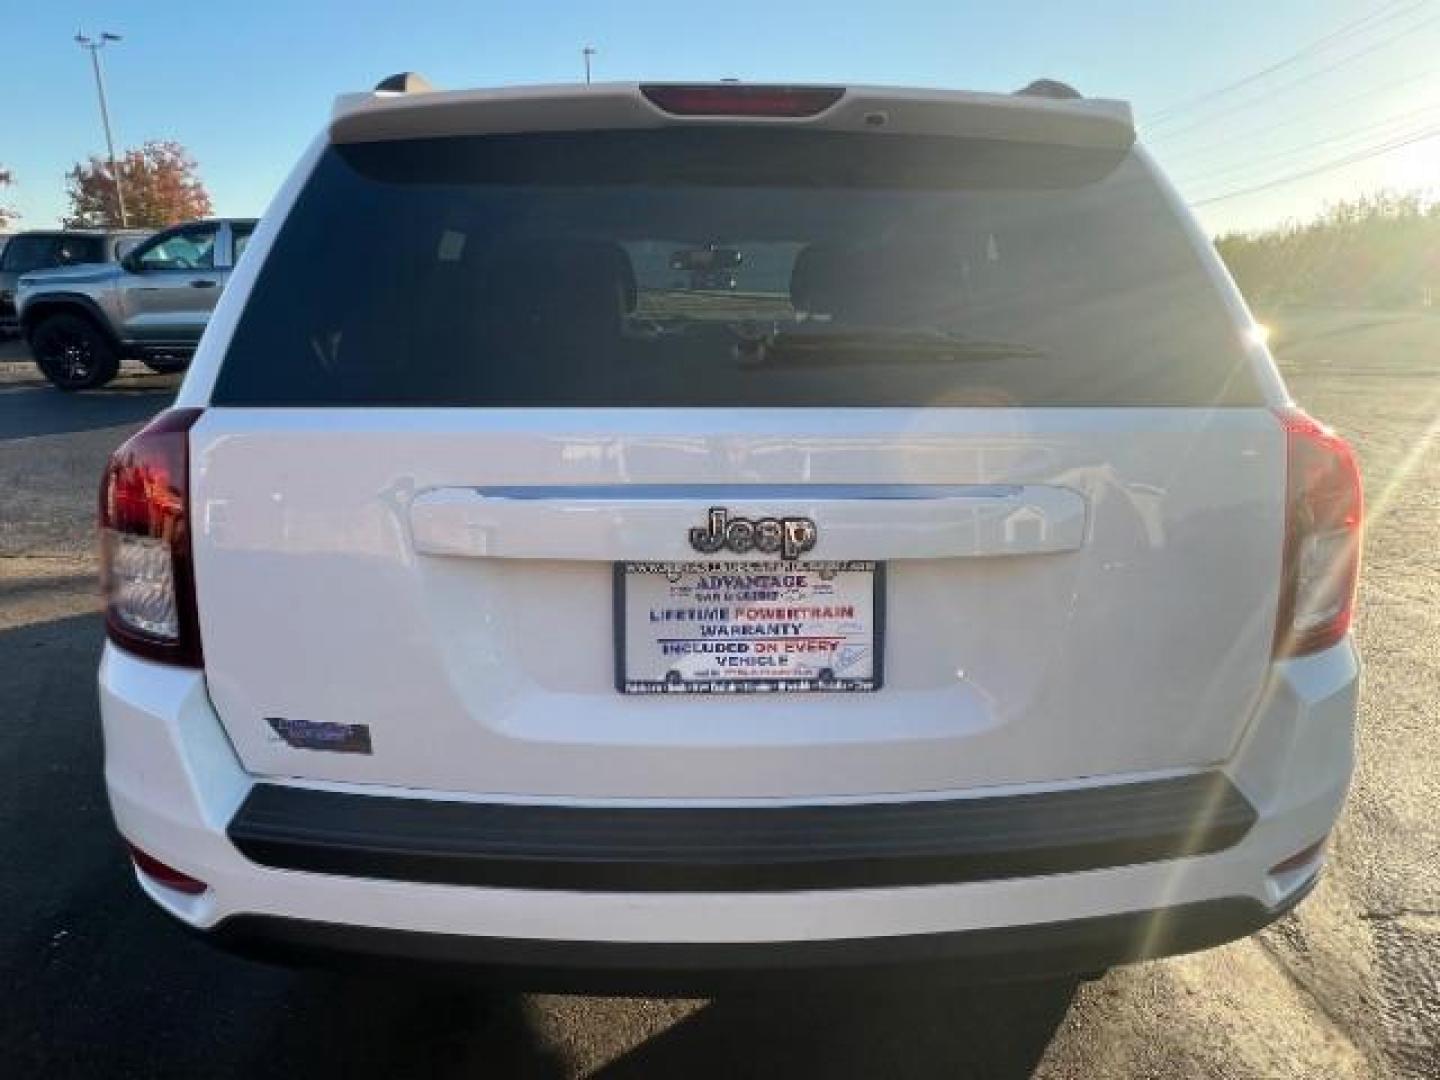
(1379, 250)
(160, 182)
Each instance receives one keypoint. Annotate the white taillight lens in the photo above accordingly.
(1324, 514)
(1322, 581)
(140, 586)
(146, 572)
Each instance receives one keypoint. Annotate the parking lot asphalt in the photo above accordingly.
(99, 985)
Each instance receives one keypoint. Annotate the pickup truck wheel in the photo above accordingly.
(72, 353)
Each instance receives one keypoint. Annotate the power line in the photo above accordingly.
(1329, 166)
(1209, 148)
(1387, 126)
(1374, 18)
(1311, 77)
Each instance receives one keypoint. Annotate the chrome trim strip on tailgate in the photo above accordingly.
(706, 492)
(651, 522)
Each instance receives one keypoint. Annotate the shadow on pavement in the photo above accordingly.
(333, 1026)
(998, 1032)
(27, 411)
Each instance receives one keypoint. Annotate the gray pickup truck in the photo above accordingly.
(46, 249)
(81, 321)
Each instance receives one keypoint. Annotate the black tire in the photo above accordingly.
(73, 353)
(166, 365)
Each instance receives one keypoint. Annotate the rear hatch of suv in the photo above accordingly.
(730, 460)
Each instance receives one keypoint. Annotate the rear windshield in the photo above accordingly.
(731, 267)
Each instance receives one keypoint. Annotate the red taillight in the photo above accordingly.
(1323, 516)
(741, 100)
(162, 874)
(146, 574)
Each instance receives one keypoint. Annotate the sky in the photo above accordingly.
(245, 84)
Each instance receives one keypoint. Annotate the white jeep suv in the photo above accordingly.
(648, 537)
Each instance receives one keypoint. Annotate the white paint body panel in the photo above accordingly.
(1143, 647)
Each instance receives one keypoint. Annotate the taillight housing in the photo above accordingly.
(1324, 512)
(740, 99)
(147, 574)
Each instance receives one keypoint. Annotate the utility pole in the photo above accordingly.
(94, 46)
(587, 52)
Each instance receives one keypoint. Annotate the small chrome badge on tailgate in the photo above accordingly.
(788, 537)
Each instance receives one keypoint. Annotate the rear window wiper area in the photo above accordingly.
(837, 345)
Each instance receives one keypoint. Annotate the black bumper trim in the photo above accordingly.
(1002, 954)
(717, 849)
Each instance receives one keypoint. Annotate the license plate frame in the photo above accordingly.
(875, 681)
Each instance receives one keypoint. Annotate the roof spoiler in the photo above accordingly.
(406, 107)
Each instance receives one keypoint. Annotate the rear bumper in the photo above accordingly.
(1003, 953)
(176, 787)
(740, 848)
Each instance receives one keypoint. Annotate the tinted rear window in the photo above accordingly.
(28, 253)
(731, 267)
(25, 253)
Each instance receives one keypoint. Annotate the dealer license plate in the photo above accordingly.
(743, 626)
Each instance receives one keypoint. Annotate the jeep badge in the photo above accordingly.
(788, 537)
